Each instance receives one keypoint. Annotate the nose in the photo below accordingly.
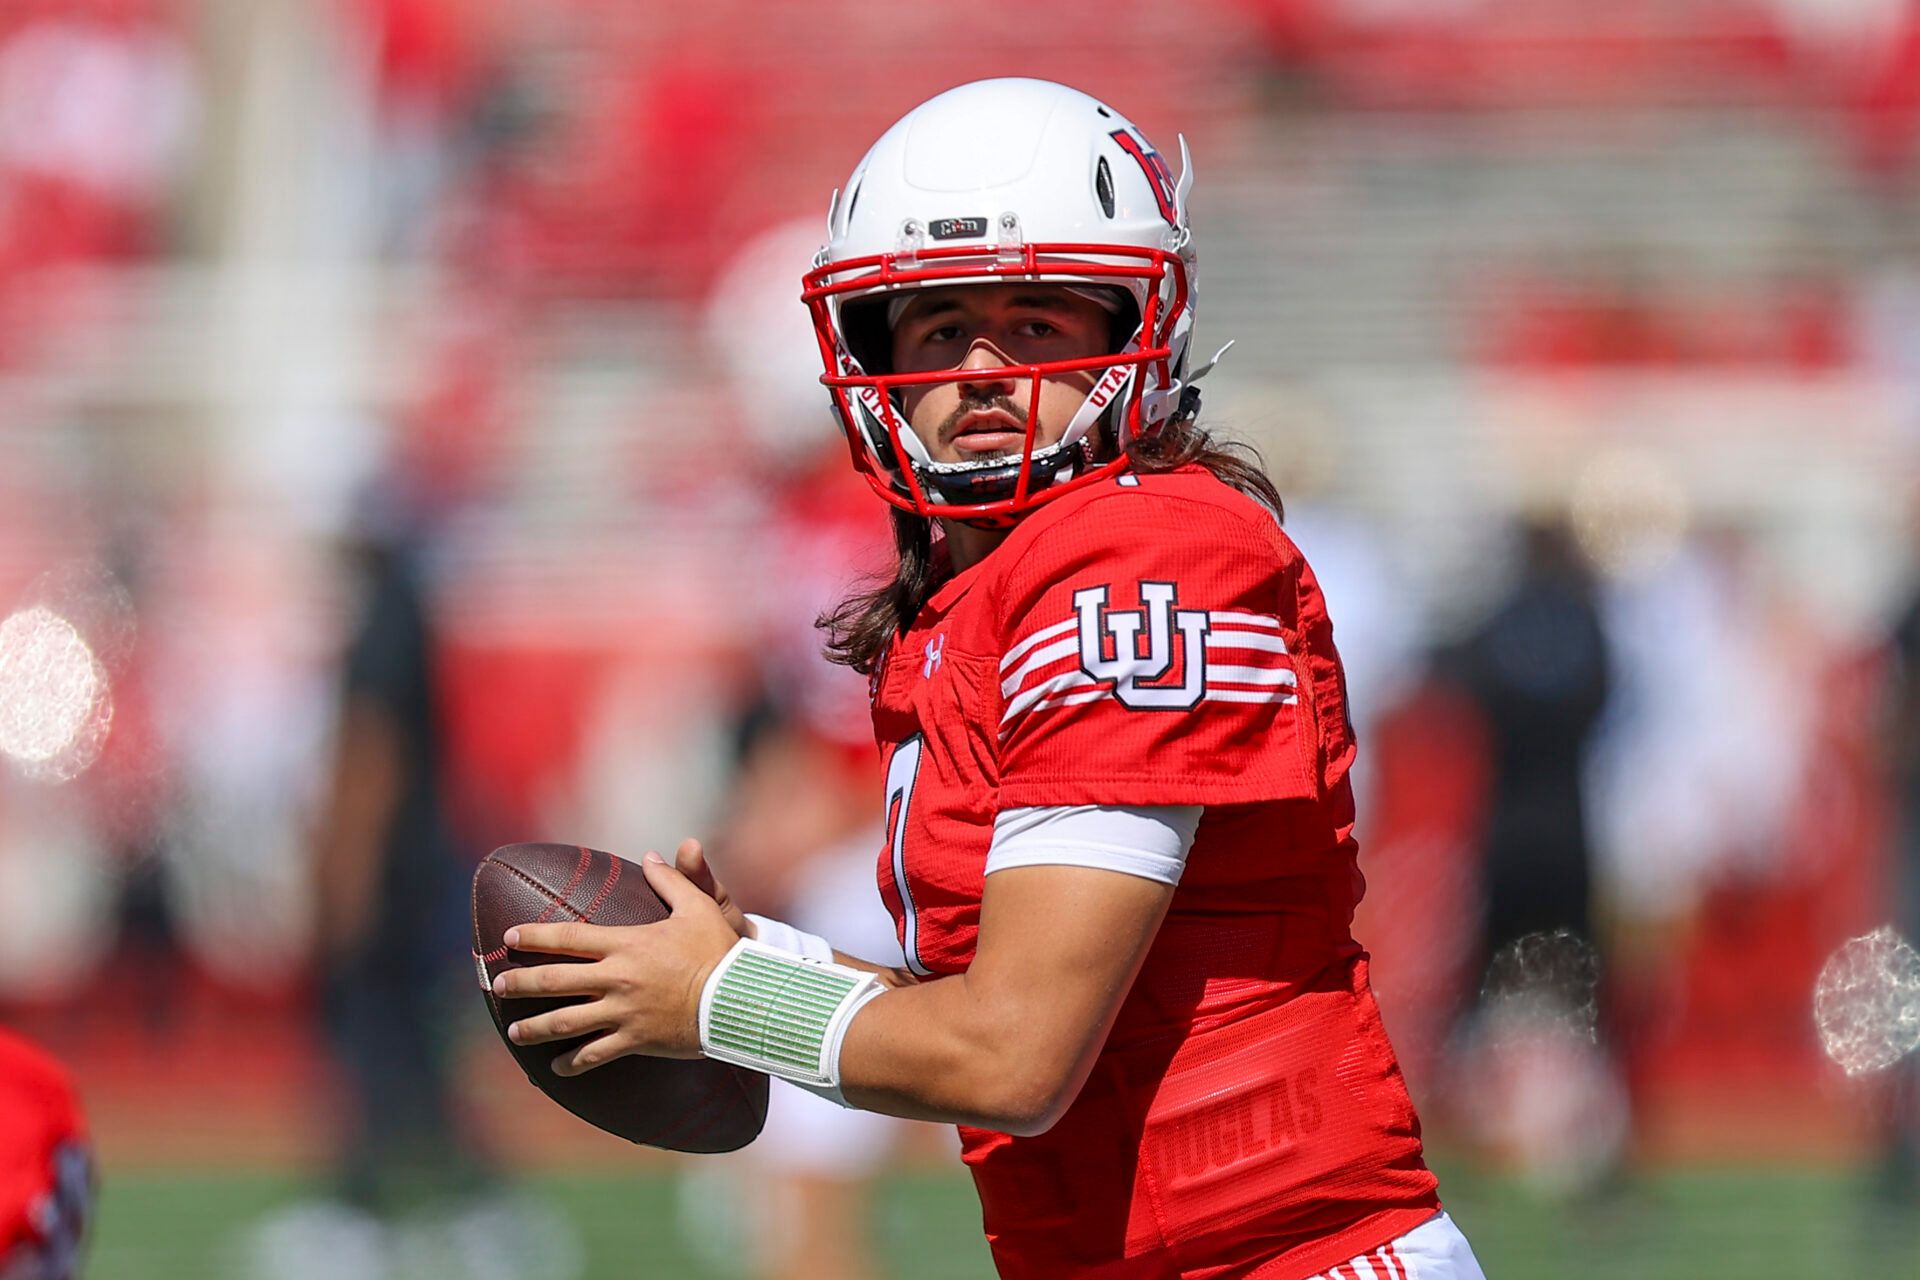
(980, 356)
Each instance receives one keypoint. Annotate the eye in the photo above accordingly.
(942, 333)
(1038, 329)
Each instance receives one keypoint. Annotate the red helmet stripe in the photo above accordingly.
(1159, 177)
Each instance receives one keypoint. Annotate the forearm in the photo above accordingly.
(942, 1038)
(939, 1055)
(1007, 1044)
(946, 1051)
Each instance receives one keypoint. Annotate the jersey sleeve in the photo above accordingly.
(1152, 655)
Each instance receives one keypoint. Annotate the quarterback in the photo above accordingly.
(1118, 845)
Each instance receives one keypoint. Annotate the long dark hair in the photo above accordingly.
(860, 628)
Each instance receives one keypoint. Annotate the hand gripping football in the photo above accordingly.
(676, 1104)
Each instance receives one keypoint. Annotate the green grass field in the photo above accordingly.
(1750, 1225)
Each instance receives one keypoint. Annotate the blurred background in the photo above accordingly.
(408, 445)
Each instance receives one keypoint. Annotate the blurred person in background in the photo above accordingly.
(1538, 669)
(387, 885)
(46, 1166)
(1534, 1090)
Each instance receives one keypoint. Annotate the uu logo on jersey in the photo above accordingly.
(1111, 648)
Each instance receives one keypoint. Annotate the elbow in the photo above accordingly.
(1029, 1102)
(1030, 1124)
(1024, 1064)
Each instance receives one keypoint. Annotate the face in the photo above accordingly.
(986, 327)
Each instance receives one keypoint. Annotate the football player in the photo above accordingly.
(46, 1166)
(1118, 843)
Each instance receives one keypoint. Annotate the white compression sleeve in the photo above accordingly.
(1149, 841)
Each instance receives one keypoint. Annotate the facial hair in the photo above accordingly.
(951, 427)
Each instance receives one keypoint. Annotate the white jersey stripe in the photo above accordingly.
(1229, 618)
(1038, 637)
(1245, 640)
(1074, 688)
(1249, 695)
(1059, 684)
(903, 771)
(1041, 657)
(1250, 675)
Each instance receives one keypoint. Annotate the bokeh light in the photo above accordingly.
(1538, 1091)
(1549, 979)
(55, 700)
(1866, 1002)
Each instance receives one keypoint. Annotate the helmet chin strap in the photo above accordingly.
(996, 479)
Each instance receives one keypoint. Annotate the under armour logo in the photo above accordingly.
(1128, 666)
(936, 649)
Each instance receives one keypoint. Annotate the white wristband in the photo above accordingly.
(775, 1011)
(780, 934)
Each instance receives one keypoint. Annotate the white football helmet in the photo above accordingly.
(1005, 180)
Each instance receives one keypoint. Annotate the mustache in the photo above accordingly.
(1006, 404)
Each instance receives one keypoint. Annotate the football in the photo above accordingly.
(676, 1104)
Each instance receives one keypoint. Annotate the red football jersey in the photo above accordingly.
(46, 1174)
(1158, 640)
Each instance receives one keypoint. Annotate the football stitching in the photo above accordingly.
(566, 894)
(600, 898)
(500, 953)
(541, 889)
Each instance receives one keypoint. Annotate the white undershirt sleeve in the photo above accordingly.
(1149, 841)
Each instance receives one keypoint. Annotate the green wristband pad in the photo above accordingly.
(774, 1011)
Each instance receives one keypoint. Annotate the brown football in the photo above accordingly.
(674, 1103)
